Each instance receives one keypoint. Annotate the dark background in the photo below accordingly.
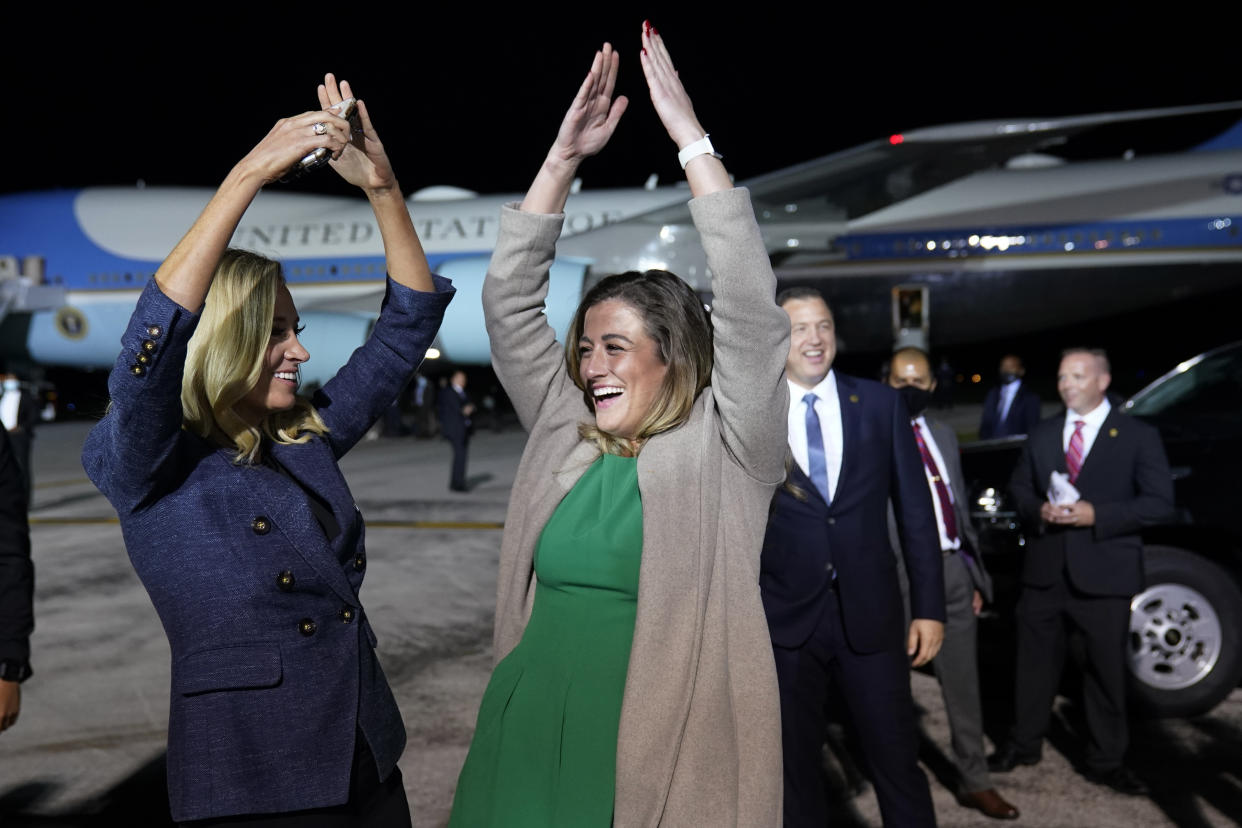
(174, 94)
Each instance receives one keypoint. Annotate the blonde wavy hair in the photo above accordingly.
(674, 316)
(225, 360)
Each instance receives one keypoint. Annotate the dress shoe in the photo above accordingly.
(990, 803)
(1121, 779)
(1009, 757)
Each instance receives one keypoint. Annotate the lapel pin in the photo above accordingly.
(1112, 432)
(853, 398)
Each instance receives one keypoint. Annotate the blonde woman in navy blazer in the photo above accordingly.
(237, 518)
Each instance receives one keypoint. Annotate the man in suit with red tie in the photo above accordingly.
(1089, 481)
(966, 583)
(828, 577)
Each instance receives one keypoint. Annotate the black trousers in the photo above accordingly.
(372, 804)
(457, 479)
(875, 688)
(1045, 617)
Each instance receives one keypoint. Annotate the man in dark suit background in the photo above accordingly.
(966, 582)
(828, 576)
(16, 586)
(1083, 562)
(1011, 407)
(19, 412)
(455, 410)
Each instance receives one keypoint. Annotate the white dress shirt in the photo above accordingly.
(934, 450)
(9, 405)
(828, 408)
(1007, 392)
(1093, 419)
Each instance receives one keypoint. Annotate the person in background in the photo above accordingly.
(830, 589)
(967, 584)
(1009, 408)
(16, 586)
(456, 413)
(1088, 482)
(19, 412)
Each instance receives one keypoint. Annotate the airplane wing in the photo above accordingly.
(805, 207)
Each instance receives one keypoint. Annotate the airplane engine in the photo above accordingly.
(462, 336)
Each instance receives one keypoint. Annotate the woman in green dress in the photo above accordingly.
(635, 681)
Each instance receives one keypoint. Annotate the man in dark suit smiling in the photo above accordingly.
(1089, 480)
(829, 578)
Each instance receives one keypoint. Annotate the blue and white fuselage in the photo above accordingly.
(99, 246)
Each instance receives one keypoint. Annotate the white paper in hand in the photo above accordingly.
(1061, 492)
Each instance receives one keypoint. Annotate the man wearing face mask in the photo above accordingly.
(1011, 407)
(966, 583)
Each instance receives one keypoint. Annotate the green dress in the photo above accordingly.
(545, 746)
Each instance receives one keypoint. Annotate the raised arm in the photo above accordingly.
(364, 163)
(750, 333)
(377, 371)
(527, 358)
(585, 130)
(185, 276)
(704, 172)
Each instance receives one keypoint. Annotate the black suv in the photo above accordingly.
(1186, 626)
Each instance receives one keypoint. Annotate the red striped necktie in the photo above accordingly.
(1073, 457)
(942, 491)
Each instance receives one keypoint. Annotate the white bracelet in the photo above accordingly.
(703, 146)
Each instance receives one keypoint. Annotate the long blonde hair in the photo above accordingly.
(225, 360)
(674, 316)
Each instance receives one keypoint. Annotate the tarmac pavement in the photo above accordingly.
(89, 746)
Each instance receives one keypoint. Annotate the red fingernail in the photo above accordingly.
(654, 30)
(644, 50)
(647, 26)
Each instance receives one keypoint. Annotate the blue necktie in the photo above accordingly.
(815, 448)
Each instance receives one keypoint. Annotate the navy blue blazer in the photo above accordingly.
(273, 661)
(808, 540)
(1021, 417)
(1125, 477)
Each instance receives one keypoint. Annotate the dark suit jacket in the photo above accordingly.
(808, 540)
(946, 441)
(1022, 416)
(273, 661)
(449, 405)
(16, 570)
(1125, 477)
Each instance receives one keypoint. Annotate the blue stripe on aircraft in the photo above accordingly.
(47, 226)
(1229, 139)
(1218, 232)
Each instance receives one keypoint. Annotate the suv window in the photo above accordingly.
(1205, 392)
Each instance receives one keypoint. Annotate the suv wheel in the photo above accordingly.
(1185, 634)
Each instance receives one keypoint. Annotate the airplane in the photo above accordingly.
(72, 263)
(983, 228)
(962, 223)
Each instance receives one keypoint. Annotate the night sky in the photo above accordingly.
(176, 93)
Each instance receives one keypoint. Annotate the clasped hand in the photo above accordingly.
(358, 157)
(1080, 513)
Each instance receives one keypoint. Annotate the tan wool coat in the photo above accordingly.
(699, 740)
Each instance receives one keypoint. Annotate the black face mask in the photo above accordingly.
(916, 399)
(1007, 377)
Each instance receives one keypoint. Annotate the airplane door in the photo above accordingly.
(911, 316)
